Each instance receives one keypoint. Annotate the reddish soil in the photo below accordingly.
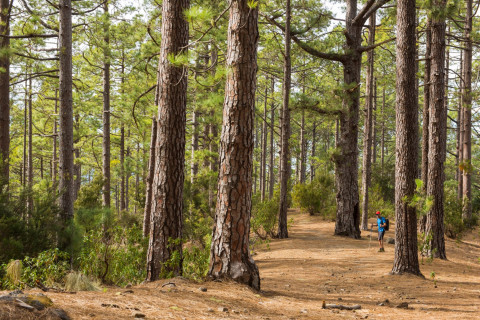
(297, 275)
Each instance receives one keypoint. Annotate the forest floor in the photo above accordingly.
(297, 275)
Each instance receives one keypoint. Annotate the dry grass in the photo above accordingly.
(77, 281)
(14, 271)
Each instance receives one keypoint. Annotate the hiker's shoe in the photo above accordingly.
(381, 250)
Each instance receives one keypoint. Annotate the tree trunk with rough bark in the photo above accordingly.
(263, 168)
(106, 110)
(4, 91)
(194, 147)
(406, 250)
(314, 142)
(150, 174)
(437, 138)
(367, 129)
(66, 111)
(167, 199)
(271, 169)
(467, 118)
(303, 152)
(54, 143)
(30, 149)
(346, 173)
(426, 112)
(285, 170)
(230, 254)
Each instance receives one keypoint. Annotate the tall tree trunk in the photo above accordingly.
(25, 132)
(263, 169)
(150, 174)
(271, 168)
(194, 145)
(367, 130)
(106, 109)
(346, 173)
(303, 152)
(213, 148)
(406, 251)
(30, 148)
(437, 142)
(127, 176)
(54, 147)
(66, 111)
(4, 91)
(167, 200)
(78, 175)
(285, 169)
(230, 254)
(460, 131)
(374, 122)
(426, 113)
(314, 142)
(122, 168)
(467, 117)
(382, 139)
(122, 143)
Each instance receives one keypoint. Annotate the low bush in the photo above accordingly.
(317, 196)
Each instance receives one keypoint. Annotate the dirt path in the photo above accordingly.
(297, 275)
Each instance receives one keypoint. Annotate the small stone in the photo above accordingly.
(139, 315)
(209, 310)
(391, 241)
(403, 305)
(128, 286)
(61, 314)
(223, 309)
(381, 304)
(203, 289)
(340, 299)
(23, 305)
(128, 291)
(304, 311)
(454, 289)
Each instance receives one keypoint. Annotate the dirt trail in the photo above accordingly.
(297, 274)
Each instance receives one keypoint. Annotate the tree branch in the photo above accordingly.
(314, 52)
(373, 46)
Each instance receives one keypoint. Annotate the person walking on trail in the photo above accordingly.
(381, 223)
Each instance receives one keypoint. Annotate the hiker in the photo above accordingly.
(381, 223)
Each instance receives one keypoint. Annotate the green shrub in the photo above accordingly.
(263, 221)
(317, 196)
(454, 225)
(196, 259)
(48, 268)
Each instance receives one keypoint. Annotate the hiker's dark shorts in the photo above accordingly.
(380, 235)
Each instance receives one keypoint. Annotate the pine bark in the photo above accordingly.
(437, 140)
(54, 143)
(263, 168)
(314, 142)
(194, 147)
(230, 255)
(426, 104)
(467, 117)
(30, 150)
(106, 110)
(66, 111)
(285, 170)
(406, 251)
(460, 131)
(271, 167)
(303, 152)
(167, 199)
(367, 129)
(150, 174)
(4, 91)
(346, 173)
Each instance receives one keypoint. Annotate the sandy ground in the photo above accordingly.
(297, 275)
